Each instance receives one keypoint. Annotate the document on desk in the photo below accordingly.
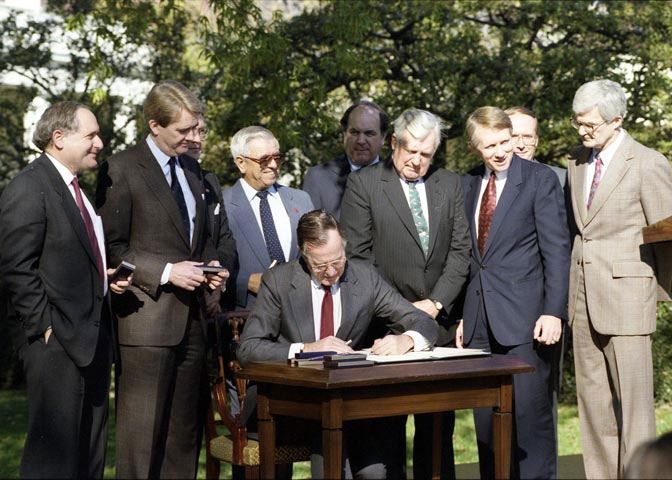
(438, 353)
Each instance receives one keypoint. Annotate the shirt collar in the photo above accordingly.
(250, 192)
(500, 175)
(354, 168)
(64, 171)
(318, 286)
(160, 157)
(608, 153)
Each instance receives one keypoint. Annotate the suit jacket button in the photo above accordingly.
(478, 293)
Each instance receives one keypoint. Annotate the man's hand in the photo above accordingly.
(120, 284)
(426, 306)
(47, 334)
(327, 344)
(548, 329)
(186, 275)
(392, 345)
(254, 282)
(216, 280)
(459, 335)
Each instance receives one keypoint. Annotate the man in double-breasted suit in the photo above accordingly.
(151, 198)
(406, 217)
(617, 187)
(54, 282)
(324, 302)
(516, 296)
(262, 214)
(364, 126)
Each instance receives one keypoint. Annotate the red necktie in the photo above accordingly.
(327, 314)
(596, 181)
(488, 204)
(89, 227)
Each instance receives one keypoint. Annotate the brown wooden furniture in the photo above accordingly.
(235, 445)
(658, 232)
(336, 396)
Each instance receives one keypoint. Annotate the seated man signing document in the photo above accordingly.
(323, 302)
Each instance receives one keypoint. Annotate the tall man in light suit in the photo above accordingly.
(262, 214)
(325, 302)
(364, 127)
(406, 216)
(151, 198)
(516, 297)
(618, 186)
(53, 275)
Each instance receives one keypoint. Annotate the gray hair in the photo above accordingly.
(59, 116)
(244, 136)
(419, 124)
(606, 95)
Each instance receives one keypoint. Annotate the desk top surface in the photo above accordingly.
(456, 368)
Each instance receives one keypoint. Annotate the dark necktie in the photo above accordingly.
(178, 195)
(488, 205)
(268, 225)
(327, 314)
(90, 232)
(596, 181)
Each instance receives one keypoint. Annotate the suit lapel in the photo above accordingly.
(301, 303)
(470, 200)
(156, 181)
(349, 298)
(242, 213)
(579, 185)
(436, 202)
(618, 167)
(514, 179)
(395, 194)
(294, 214)
(197, 190)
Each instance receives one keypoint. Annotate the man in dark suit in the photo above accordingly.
(406, 217)
(517, 290)
(54, 280)
(151, 197)
(262, 214)
(364, 127)
(324, 302)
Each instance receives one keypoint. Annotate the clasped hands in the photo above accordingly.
(388, 345)
(188, 276)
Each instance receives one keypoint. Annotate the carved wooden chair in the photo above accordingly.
(227, 439)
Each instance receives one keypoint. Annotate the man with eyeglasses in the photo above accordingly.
(406, 217)
(617, 187)
(324, 302)
(516, 296)
(262, 214)
(525, 138)
(364, 126)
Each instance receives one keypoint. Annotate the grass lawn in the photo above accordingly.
(13, 427)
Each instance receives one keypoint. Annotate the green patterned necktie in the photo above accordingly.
(418, 217)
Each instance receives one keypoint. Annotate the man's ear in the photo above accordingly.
(240, 163)
(393, 141)
(154, 127)
(57, 137)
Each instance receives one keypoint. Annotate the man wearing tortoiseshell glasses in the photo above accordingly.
(263, 215)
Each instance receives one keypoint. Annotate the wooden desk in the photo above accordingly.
(335, 396)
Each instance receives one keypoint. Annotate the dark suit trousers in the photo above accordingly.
(534, 452)
(423, 443)
(67, 410)
(159, 415)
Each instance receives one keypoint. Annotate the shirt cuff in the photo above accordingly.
(420, 343)
(294, 348)
(165, 276)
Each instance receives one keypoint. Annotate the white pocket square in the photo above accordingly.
(217, 209)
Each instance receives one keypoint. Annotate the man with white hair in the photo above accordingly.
(406, 216)
(263, 215)
(618, 186)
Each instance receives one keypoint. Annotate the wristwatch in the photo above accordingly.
(438, 305)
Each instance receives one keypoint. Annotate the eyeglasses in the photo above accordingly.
(590, 129)
(528, 140)
(266, 160)
(202, 131)
(323, 267)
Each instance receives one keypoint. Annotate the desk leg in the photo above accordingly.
(332, 437)
(501, 430)
(266, 435)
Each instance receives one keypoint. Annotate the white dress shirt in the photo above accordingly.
(283, 225)
(67, 176)
(500, 181)
(607, 154)
(354, 167)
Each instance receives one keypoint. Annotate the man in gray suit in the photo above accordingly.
(324, 302)
(364, 127)
(262, 214)
(406, 216)
(526, 138)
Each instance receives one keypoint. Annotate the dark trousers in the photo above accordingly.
(159, 408)
(423, 443)
(534, 446)
(67, 410)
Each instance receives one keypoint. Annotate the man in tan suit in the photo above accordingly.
(617, 187)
